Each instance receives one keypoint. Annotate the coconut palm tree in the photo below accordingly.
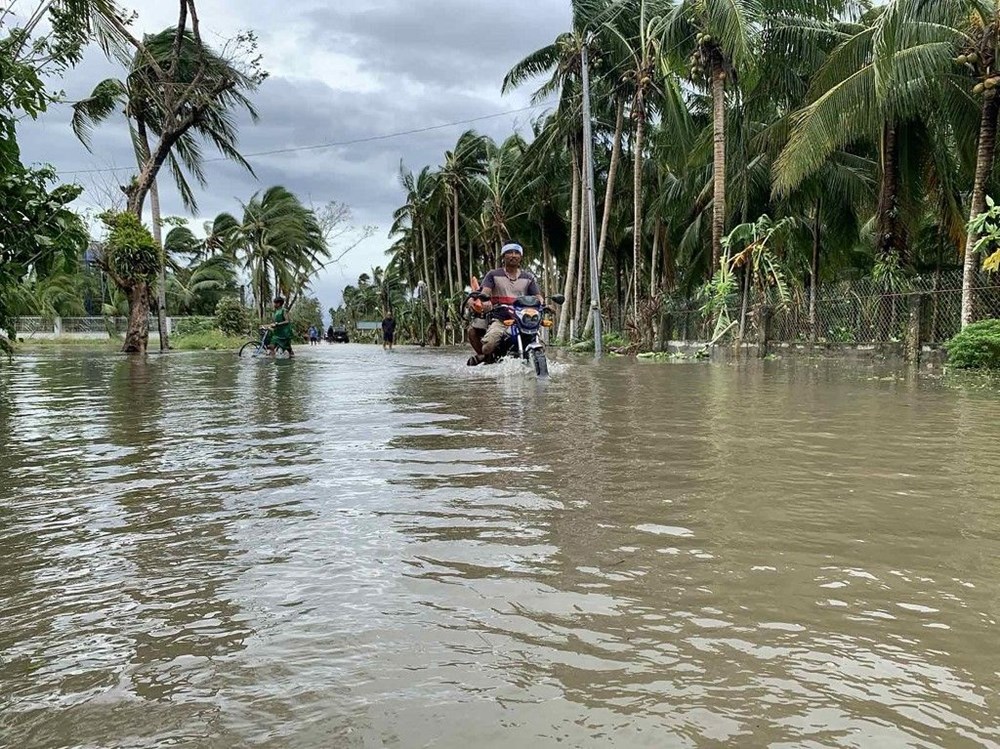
(461, 165)
(277, 242)
(416, 216)
(139, 99)
(950, 49)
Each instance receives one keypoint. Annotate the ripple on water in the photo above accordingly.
(362, 549)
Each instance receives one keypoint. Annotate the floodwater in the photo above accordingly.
(362, 549)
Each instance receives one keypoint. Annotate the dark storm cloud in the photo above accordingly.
(452, 43)
(418, 65)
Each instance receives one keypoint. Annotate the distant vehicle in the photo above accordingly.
(337, 335)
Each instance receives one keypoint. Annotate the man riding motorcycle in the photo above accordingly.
(503, 285)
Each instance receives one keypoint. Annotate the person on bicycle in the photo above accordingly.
(281, 329)
(504, 285)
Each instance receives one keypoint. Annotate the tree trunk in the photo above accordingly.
(653, 267)
(137, 336)
(887, 241)
(718, 165)
(609, 189)
(566, 315)
(582, 255)
(161, 286)
(546, 253)
(984, 167)
(458, 247)
(640, 124)
(814, 274)
(427, 273)
(447, 259)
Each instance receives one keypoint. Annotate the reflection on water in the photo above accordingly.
(362, 549)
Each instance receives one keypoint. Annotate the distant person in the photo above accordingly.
(388, 331)
(281, 329)
(329, 334)
(313, 336)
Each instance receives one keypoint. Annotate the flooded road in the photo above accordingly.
(360, 549)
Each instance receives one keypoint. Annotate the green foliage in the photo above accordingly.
(187, 326)
(987, 227)
(756, 246)
(231, 317)
(718, 297)
(131, 252)
(976, 347)
(278, 239)
(307, 312)
(37, 232)
(213, 340)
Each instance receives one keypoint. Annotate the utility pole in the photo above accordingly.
(588, 176)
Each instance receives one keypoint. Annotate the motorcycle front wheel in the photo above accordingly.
(539, 362)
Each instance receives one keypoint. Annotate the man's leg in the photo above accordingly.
(476, 339)
(491, 339)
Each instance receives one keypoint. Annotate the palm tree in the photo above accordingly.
(278, 243)
(139, 100)
(178, 86)
(948, 49)
(415, 215)
(461, 166)
(637, 31)
(719, 40)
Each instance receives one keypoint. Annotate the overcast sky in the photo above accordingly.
(341, 70)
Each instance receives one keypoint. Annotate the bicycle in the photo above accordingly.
(256, 347)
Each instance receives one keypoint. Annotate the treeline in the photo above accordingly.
(176, 95)
(784, 144)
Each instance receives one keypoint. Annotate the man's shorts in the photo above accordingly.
(494, 334)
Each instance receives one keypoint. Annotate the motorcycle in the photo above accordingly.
(524, 320)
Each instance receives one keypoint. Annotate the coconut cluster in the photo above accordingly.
(701, 58)
(972, 60)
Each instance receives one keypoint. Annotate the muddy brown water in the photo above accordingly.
(369, 549)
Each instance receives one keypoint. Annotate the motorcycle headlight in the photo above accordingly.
(530, 319)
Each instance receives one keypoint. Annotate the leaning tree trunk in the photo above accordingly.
(161, 285)
(637, 201)
(718, 165)
(137, 337)
(984, 167)
(582, 254)
(616, 155)
(566, 315)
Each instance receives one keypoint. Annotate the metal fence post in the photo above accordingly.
(763, 314)
(913, 338)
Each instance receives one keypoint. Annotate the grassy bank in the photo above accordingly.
(207, 340)
(41, 344)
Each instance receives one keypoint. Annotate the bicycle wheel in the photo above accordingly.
(541, 365)
(251, 348)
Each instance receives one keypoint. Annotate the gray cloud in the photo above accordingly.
(455, 44)
(417, 65)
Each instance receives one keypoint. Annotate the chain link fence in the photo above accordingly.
(846, 312)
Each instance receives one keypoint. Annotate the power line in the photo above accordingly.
(335, 144)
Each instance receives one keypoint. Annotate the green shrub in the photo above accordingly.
(976, 347)
(231, 317)
(191, 325)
